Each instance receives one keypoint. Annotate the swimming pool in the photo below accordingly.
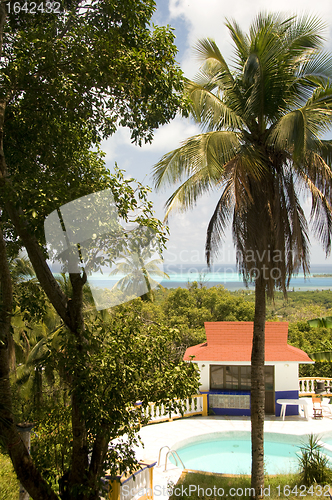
(230, 452)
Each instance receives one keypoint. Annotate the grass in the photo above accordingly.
(9, 485)
(198, 486)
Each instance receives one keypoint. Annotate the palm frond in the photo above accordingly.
(317, 66)
(210, 110)
(240, 40)
(304, 34)
(202, 155)
(290, 133)
(42, 349)
(324, 149)
(321, 356)
(214, 65)
(218, 222)
(321, 213)
(21, 269)
(325, 322)
(264, 121)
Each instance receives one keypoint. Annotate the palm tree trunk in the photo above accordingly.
(258, 388)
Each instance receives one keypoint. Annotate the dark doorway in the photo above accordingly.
(269, 390)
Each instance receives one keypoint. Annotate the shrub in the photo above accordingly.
(9, 485)
(314, 465)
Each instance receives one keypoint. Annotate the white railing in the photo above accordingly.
(195, 405)
(308, 385)
(136, 486)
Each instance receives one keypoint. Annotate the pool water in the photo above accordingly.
(230, 453)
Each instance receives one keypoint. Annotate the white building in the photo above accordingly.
(224, 363)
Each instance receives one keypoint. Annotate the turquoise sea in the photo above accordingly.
(320, 277)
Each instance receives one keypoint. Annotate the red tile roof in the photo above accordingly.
(232, 341)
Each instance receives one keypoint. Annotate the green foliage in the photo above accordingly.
(325, 322)
(314, 466)
(311, 340)
(25, 286)
(59, 63)
(9, 485)
(51, 440)
(126, 361)
(194, 306)
(66, 82)
(300, 305)
(186, 311)
(121, 361)
(69, 81)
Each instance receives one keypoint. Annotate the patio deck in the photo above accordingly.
(168, 433)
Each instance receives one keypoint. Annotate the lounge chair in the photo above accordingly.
(317, 407)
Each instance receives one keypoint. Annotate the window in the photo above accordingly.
(217, 376)
(269, 378)
(245, 377)
(232, 377)
(237, 378)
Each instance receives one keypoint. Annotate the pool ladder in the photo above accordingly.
(170, 453)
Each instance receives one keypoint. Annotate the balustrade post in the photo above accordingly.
(205, 405)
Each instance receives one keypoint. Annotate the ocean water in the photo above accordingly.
(181, 275)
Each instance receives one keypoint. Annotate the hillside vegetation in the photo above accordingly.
(186, 309)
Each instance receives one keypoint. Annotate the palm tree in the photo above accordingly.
(260, 146)
(33, 337)
(137, 268)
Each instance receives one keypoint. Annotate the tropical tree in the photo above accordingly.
(68, 79)
(138, 265)
(260, 145)
(324, 322)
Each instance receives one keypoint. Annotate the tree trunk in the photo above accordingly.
(96, 465)
(258, 389)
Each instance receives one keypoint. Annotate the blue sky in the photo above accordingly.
(193, 19)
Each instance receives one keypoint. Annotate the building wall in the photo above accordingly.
(204, 376)
(286, 384)
(286, 376)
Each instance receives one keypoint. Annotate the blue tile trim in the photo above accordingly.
(229, 411)
(290, 410)
(226, 391)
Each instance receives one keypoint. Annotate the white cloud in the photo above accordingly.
(202, 19)
(170, 136)
(166, 138)
(208, 20)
